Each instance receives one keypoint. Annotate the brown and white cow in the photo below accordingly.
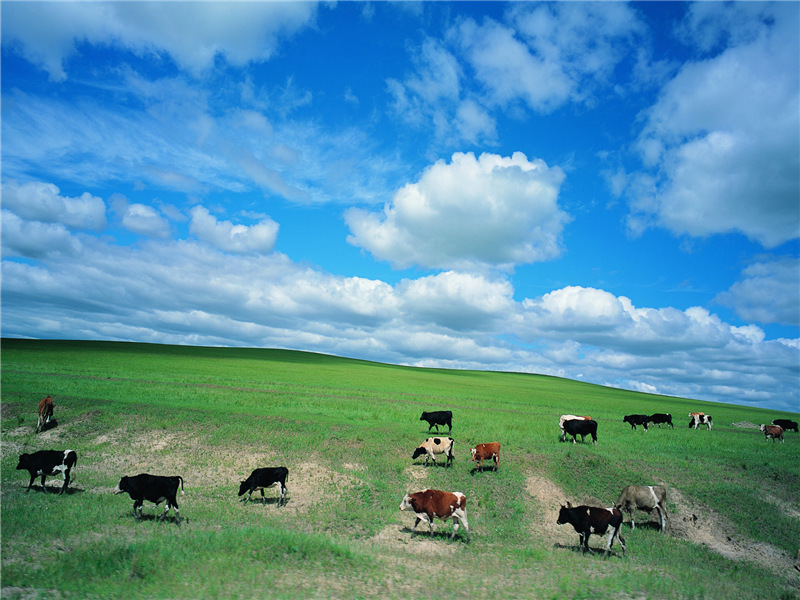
(643, 497)
(563, 418)
(429, 504)
(773, 432)
(483, 452)
(45, 413)
(699, 418)
(433, 446)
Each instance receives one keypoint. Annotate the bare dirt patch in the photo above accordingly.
(699, 524)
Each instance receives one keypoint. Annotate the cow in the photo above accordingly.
(483, 452)
(577, 427)
(433, 446)
(635, 420)
(786, 424)
(646, 498)
(564, 418)
(699, 418)
(659, 418)
(267, 477)
(430, 504)
(773, 432)
(591, 519)
(48, 462)
(438, 417)
(45, 413)
(153, 488)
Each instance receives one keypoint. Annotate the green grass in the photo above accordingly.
(346, 430)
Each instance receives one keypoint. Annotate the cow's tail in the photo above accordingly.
(451, 456)
(181, 480)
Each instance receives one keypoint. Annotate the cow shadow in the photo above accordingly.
(48, 426)
(272, 501)
(424, 534)
(154, 517)
(54, 489)
(651, 525)
(439, 464)
(482, 469)
(592, 551)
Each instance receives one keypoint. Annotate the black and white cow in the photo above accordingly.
(267, 477)
(577, 427)
(591, 519)
(438, 417)
(433, 446)
(634, 420)
(48, 462)
(786, 424)
(699, 418)
(153, 488)
(659, 418)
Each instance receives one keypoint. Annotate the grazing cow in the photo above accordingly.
(635, 420)
(643, 497)
(261, 479)
(428, 504)
(48, 462)
(482, 452)
(699, 418)
(576, 427)
(659, 418)
(786, 424)
(773, 432)
(438, 417)
(433, 446)
(590, 519)
(153, 488)
(564, 418)
(45, 413)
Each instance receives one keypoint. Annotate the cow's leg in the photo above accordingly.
(414, 529)
(176, 511)
(461, 516)
(65, 473)
(44, 489)
(618, 535)
(633, 522)
(30, 483)
(661, 517)
(137, 509)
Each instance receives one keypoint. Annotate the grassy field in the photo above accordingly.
(346, 430)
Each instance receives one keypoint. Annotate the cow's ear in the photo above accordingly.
(568, 504)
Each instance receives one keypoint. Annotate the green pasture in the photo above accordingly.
(346, 430)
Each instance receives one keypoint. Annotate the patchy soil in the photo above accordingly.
(701, 525)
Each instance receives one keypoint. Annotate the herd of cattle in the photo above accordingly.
(427, 504)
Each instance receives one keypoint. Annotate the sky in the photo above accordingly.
(607, 192)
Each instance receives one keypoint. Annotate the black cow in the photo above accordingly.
(153, 488)
(635, 420)
(438, 417)
(786, 424)
(267, 477)
(590, 519)
(659, 418)
(577, 427)
(48, 462)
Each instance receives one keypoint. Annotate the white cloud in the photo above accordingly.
(471, 213)
(38, 201)
(723, 140)
(145, 220)
(769, 292)
(233, 238)
(34, 239)
(193, 34)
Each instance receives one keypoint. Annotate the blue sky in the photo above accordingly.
(603, 191)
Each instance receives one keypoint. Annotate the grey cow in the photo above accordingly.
(646, 498)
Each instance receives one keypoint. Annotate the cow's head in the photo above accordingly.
(23, 461)
(563, 514)
(418, 452)
(424, 416)
(473, 453)
(243, 487)
(406, 503)
(122, 486)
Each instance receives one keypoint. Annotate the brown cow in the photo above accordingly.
(483, 452)
(430, 504)
(772, 432)
(45, 413)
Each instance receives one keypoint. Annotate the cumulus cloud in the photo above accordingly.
(721, 143)
(769, 292)
(34, 239)
(39, 201)
(472, 212)
(194, 35)
(233, 238)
